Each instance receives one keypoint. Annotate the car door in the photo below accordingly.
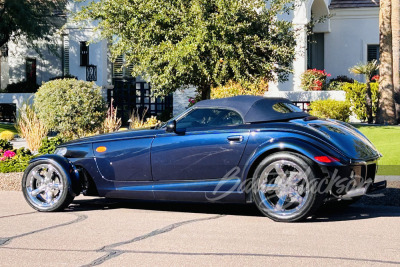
(211, 146)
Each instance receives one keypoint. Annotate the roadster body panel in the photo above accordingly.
(211, 163)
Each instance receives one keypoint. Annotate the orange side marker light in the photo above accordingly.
(101, 149)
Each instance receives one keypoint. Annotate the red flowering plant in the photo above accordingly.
(7, 154)
(194, 100)
(375, 78)
(12, 160)
(314, 80)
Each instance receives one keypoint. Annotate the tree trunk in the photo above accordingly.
(386, 109)
(396, 53)
(368, 102)
(0, 71)
(205, 91)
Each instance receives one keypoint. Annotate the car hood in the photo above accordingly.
(114, 136)
(344, 137)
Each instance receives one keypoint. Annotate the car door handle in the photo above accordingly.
(235, 138)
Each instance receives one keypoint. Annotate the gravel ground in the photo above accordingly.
(10, 181)
(389, 197)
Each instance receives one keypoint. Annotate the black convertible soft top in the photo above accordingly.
(256, 108)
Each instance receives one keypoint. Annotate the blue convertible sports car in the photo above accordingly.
(243, 149)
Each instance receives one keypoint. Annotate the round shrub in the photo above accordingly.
(331, 109)
(7, 135)
(338, 82)
(73, 108)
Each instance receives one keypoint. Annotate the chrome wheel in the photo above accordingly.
(283, 187)
(44, 186)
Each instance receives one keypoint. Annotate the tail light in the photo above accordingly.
(326, 159)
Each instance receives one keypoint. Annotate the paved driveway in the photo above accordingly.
(95, 231)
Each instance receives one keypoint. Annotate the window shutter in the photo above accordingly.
(65, 55)
(120, 70)
(373, 52)
(128, 71)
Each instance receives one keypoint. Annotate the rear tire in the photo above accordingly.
(285, 187)
(46, 187)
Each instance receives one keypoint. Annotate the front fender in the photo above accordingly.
(70, 171)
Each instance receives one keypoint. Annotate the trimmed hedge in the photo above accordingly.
(21, 87)
(355, 94)
(331, 109)
(232, 88)
(49, 145)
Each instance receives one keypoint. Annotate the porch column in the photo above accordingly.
(300, 61)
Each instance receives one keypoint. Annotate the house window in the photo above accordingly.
(31, 70)
(373, 52)
(65, 55)
(84, 54)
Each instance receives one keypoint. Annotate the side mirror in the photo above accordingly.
(171, 128)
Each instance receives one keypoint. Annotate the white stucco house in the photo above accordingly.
(349, 35)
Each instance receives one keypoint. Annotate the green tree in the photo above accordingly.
(204, 43)
(34, 19)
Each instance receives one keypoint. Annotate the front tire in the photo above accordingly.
(286, 187)
(46, 187)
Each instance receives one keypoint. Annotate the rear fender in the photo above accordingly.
(292, 145)
(69, 169)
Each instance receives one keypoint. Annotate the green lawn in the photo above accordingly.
(387, 140)
(9, 127)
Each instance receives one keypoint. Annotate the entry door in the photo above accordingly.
(315, 51)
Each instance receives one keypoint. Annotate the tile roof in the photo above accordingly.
(353, 3)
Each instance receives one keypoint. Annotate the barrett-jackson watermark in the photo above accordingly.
(335, 185)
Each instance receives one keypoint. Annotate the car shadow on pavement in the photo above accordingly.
(374, 206)
(353, 212)
(169, 206)
(383, 204)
